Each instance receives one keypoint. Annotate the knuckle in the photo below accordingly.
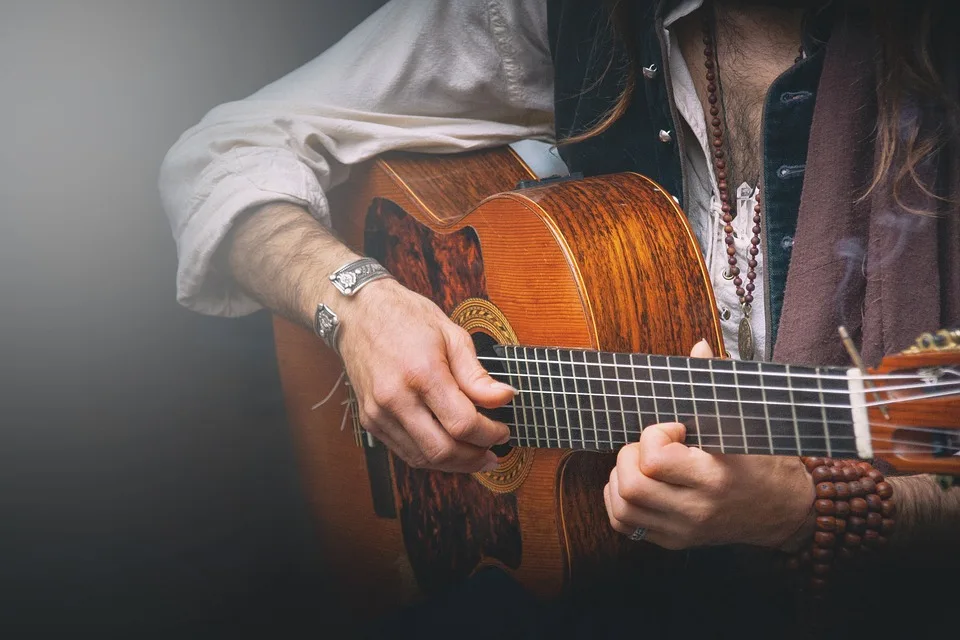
(438, 454)
(619, 509)
(420, 371)
(462, 426)
(385, 395)
(630, 487)
(652, 465)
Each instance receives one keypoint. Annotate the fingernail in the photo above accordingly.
(490, 466)
(502, 386)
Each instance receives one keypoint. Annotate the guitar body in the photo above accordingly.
(602, 263)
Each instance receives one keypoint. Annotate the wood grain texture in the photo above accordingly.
(364, 554)
(606, 263)
(908, 448)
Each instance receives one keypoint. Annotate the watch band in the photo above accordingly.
(353, 276)
(326, 325)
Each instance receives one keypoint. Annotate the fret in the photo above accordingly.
(752, 425)
(823, 416)
(629, 403)
(575, 399)
(517, 383)
(684, 393)
(565, 381)
(545, 406)
(778, 406)
(808, 410)
(653, 390)
(611, 391)
(555, 423)
(716, 398)
(671, 390)
(637, 394)
(793, 410)
(606, 402)
(585, 375)
(534, 379)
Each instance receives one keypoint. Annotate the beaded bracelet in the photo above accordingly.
(855, 516)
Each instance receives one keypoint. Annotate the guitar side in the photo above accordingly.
(606, 263)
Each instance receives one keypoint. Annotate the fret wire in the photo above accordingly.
(543, 398)
(801, 404)
(566, 404)
(606, 404)
(766, 412)
(811, 372)
(512, 361)
(633, 376)
(533, 401)
(653, 390)
(593, 408)
(823, 414)
(623, 413)
(573, 369)
(716, 402)
(673, 395)
(793, 411)
(553, 395)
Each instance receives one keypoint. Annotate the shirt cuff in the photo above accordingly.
(247, 179)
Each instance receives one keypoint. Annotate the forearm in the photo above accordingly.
(928, 518)
(282, 256)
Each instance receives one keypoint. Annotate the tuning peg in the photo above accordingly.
(943, 340)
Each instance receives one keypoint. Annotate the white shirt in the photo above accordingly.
(421, 75)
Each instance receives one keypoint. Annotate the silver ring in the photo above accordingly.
(639, 534)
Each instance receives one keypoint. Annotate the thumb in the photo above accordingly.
(482, 389)
(701, 350)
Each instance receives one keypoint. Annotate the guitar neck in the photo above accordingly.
(576, 399)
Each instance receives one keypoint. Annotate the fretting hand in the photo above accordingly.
(685, 497)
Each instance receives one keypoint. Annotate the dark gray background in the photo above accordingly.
(148, 484)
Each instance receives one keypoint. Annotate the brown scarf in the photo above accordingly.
(885, 273)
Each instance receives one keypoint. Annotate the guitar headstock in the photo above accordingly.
(914, 408)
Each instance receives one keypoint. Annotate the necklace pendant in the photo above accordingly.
(745, 344)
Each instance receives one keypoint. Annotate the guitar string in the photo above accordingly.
(735, 373)
(634, 431)
(759, 371)
(954, 387)
(897, 427)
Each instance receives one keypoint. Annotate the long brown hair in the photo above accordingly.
(917, 113)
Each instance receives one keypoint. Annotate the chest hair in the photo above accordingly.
(754, 46)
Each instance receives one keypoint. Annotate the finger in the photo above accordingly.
(392, 435)
(661, 455)
(701, 350)
(629, 484)
(440, 449)
(471, 377)
(459, 416)
(626, 519)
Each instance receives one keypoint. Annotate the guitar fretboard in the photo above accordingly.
(595, 400)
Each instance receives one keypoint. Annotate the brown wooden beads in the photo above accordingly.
(855, 515)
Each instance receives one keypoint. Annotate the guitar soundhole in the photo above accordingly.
(489, 358)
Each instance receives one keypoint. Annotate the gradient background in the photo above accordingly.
(148, 486)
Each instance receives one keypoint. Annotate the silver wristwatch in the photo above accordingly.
(353, 276)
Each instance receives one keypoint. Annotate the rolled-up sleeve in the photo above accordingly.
(422, 75)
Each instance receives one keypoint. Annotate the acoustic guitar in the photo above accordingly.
(584, 294)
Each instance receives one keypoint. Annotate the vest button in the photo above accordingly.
(787, 243)
(665, 136)
(650, 72)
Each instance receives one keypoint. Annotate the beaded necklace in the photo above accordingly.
(745, 341)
